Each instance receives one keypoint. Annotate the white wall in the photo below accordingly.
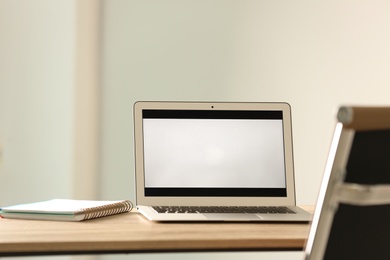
(316, 55)
(36, 100)
(48, 100)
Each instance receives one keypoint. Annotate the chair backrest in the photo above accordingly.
(352, 215)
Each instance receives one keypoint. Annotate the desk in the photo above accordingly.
(131, 233)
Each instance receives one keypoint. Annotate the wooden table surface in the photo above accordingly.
(131, 232)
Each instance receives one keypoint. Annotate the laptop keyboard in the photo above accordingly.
(230, 209)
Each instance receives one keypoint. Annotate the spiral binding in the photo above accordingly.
(107, 210)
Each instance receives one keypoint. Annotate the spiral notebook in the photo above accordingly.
(66, 210)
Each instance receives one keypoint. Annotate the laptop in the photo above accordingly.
(215, 161)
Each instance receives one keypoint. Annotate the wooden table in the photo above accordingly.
(132, 233)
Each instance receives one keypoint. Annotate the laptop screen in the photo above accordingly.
(213, 153)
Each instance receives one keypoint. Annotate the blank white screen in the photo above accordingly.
(214, 153)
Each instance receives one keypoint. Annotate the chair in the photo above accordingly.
(352, 215)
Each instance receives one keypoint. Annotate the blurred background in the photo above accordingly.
(71, 70)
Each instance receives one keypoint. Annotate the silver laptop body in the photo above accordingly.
(222, 154)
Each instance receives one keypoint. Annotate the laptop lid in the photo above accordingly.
(213, 154)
